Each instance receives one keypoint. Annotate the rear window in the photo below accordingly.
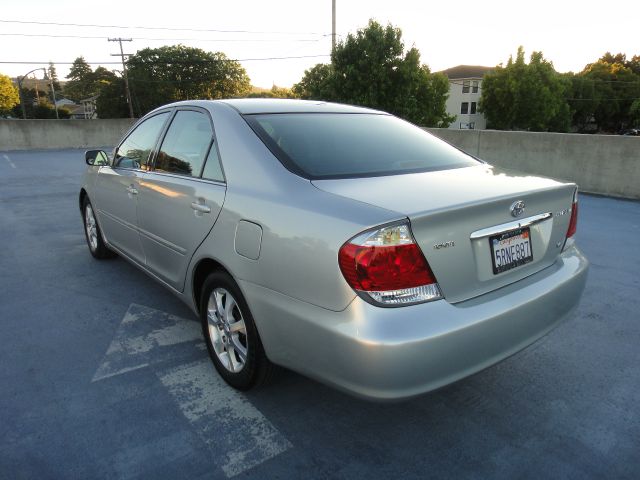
(343, 145)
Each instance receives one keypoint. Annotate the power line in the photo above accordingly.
(191, 62)
(174, 29)
(99, 37)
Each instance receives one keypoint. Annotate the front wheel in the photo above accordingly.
(231, 335)
(92, 232)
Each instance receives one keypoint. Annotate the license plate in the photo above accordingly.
(510, 250)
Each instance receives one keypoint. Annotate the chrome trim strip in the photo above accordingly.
(162, 242)
(149, 235)
(506, 227)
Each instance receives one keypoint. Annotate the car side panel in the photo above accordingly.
(170, 227)
(116, 204)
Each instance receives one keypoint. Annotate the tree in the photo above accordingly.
(372, 69)
(161, 75)
(315, 83)
(37, 106)
(634, 113)
(582, 102)
(112, 102)
(525, 96)
(9, 96)
(53, 75)
(615, 86)
(81, 81)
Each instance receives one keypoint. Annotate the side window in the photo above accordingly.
(134, 152)
(212, 169)
(186, 144)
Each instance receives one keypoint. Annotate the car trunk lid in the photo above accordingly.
(456, 214)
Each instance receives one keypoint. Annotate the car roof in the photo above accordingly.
(280, 105)
(248, 106)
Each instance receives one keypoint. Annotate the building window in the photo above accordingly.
(474, 86)
(473, 108)
(465, 86)
(464, 108)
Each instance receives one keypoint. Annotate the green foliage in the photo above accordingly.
(85, 82)
(582, 102)
(9, 96)
(613, 87)
(525, 96)
(634, 113)
(161, 75)
(112, 101)
(45, 109)
(81, 82)
(372, 69)
(315, 83)
(38, 106)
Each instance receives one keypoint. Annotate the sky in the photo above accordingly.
(447, 33)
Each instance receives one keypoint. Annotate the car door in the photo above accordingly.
(180, 198)
(117, 186)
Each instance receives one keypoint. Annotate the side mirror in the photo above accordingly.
(96, 158)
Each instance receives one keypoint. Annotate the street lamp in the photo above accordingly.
(53, 92)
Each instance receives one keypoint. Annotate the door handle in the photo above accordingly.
(200, 207)
(131, 190)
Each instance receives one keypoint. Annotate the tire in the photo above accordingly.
(231, 335)
(93, 234)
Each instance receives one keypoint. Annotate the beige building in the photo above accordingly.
(465, 88)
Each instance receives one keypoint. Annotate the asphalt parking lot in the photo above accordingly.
(103, 373)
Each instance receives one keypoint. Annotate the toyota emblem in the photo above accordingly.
(517, 208)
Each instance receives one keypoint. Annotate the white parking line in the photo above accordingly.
(238, 435)
(143, 338)
(6, 157)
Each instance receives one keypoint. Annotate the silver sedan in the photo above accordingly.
(340, 242)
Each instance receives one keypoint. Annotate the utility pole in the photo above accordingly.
(333, 25)
(124, 70)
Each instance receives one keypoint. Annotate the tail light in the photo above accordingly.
(573, 221)
(387, 267)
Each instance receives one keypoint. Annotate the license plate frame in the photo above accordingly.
(514, 250)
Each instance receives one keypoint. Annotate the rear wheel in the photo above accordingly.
(92, 232)
(231, 335)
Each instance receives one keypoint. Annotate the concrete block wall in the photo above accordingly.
(37, 134)
(603, 164)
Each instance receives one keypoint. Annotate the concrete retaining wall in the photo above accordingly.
(36, 134)
(604, 164)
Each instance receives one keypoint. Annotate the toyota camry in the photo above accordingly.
(340, 242)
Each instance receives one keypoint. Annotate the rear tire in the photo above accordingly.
(93, 234)
(231, 335)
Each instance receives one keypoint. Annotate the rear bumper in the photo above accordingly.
(395, 353)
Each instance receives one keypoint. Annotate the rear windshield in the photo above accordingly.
(344, 145)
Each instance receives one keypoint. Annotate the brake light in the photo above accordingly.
(388, 267)
(573, 221)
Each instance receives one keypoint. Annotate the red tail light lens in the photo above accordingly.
(573, 222)
(388, 266)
